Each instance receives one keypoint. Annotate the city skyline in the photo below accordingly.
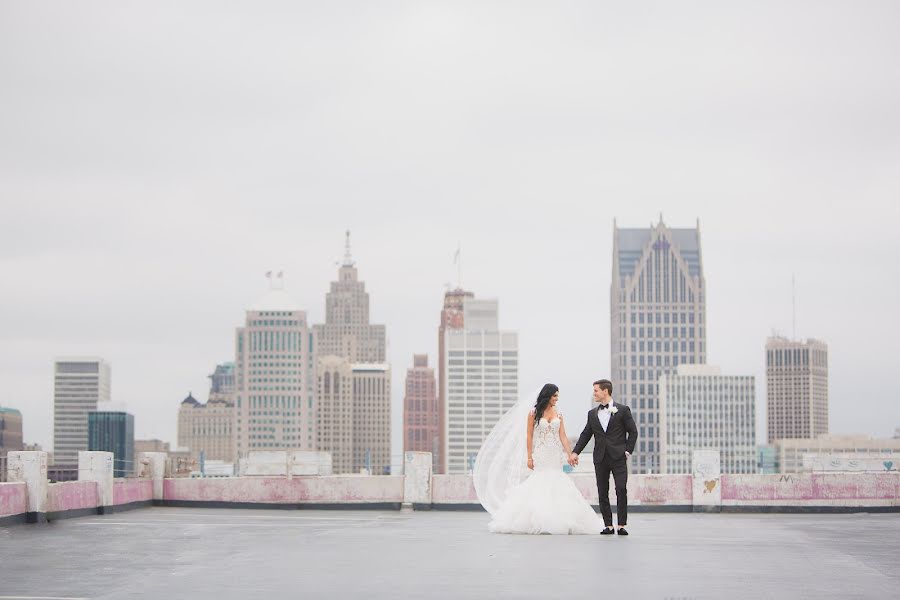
(398, 407)
(144, 198)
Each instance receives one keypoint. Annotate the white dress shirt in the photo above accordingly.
(603, 414)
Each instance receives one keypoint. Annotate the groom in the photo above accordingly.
(615, 435)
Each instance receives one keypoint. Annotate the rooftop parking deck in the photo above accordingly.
(232, 553)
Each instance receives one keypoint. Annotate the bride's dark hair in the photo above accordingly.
(543, 400)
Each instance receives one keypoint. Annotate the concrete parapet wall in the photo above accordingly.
(152, 466)
(72, 495)
(30, 468)
(707, 490)
(130, 491)
(13, 499)
(275, 463)
(659, 490)
(812, 490)
(417, 479)
(98, 467)
(329, 490)
(453, 490)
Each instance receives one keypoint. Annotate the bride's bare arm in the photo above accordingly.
(529, 436)
(563, 437)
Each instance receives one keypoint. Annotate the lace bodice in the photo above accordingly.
(547, 449)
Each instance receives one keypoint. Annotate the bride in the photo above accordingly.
(519, 478)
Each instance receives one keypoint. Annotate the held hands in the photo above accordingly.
(573, 459)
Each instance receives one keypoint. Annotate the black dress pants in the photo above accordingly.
(619, 470)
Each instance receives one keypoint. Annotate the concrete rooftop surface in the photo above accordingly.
(163, 553)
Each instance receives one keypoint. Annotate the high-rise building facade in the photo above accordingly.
(796, 388)
(657, 322)
(80, 385)
(334, 411)
(10, 430)
(353, 378)
(700, 409)
(420, 414)
(371, 423)
(221, 382)
(113, 431)
(207, 428)
(274, 377)
(452, 317)
(347, 331)
(482, 381)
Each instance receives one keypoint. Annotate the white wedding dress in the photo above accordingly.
(547, 501)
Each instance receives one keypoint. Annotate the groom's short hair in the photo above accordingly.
(605, 384)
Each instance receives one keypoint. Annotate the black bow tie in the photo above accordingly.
(604, 406)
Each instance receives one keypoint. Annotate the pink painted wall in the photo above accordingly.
(671, 490)
(811, 488)
(337, 489)
(13, 499)
(72, 495)
(453, 489)
(126, 491)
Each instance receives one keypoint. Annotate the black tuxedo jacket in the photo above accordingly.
(620, 435)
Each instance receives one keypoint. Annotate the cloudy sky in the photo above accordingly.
(156, 160)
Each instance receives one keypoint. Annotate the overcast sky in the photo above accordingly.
(156, 160)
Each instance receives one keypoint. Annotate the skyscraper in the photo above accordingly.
(796, 388)
(113, 431)
(420, 416)
(371, 425)
(657, 322)
(274, 376)
(452, 317)
(334, 411)
(482, 381)
(208, 428)
(700, 408)
(80, 386)
(353, 378)
(347, 331)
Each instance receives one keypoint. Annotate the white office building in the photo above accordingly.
(81, 385)
(274, 377)
(482, 381)
(700, 408)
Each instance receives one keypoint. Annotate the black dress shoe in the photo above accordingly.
(622, 531)
(608, 531)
